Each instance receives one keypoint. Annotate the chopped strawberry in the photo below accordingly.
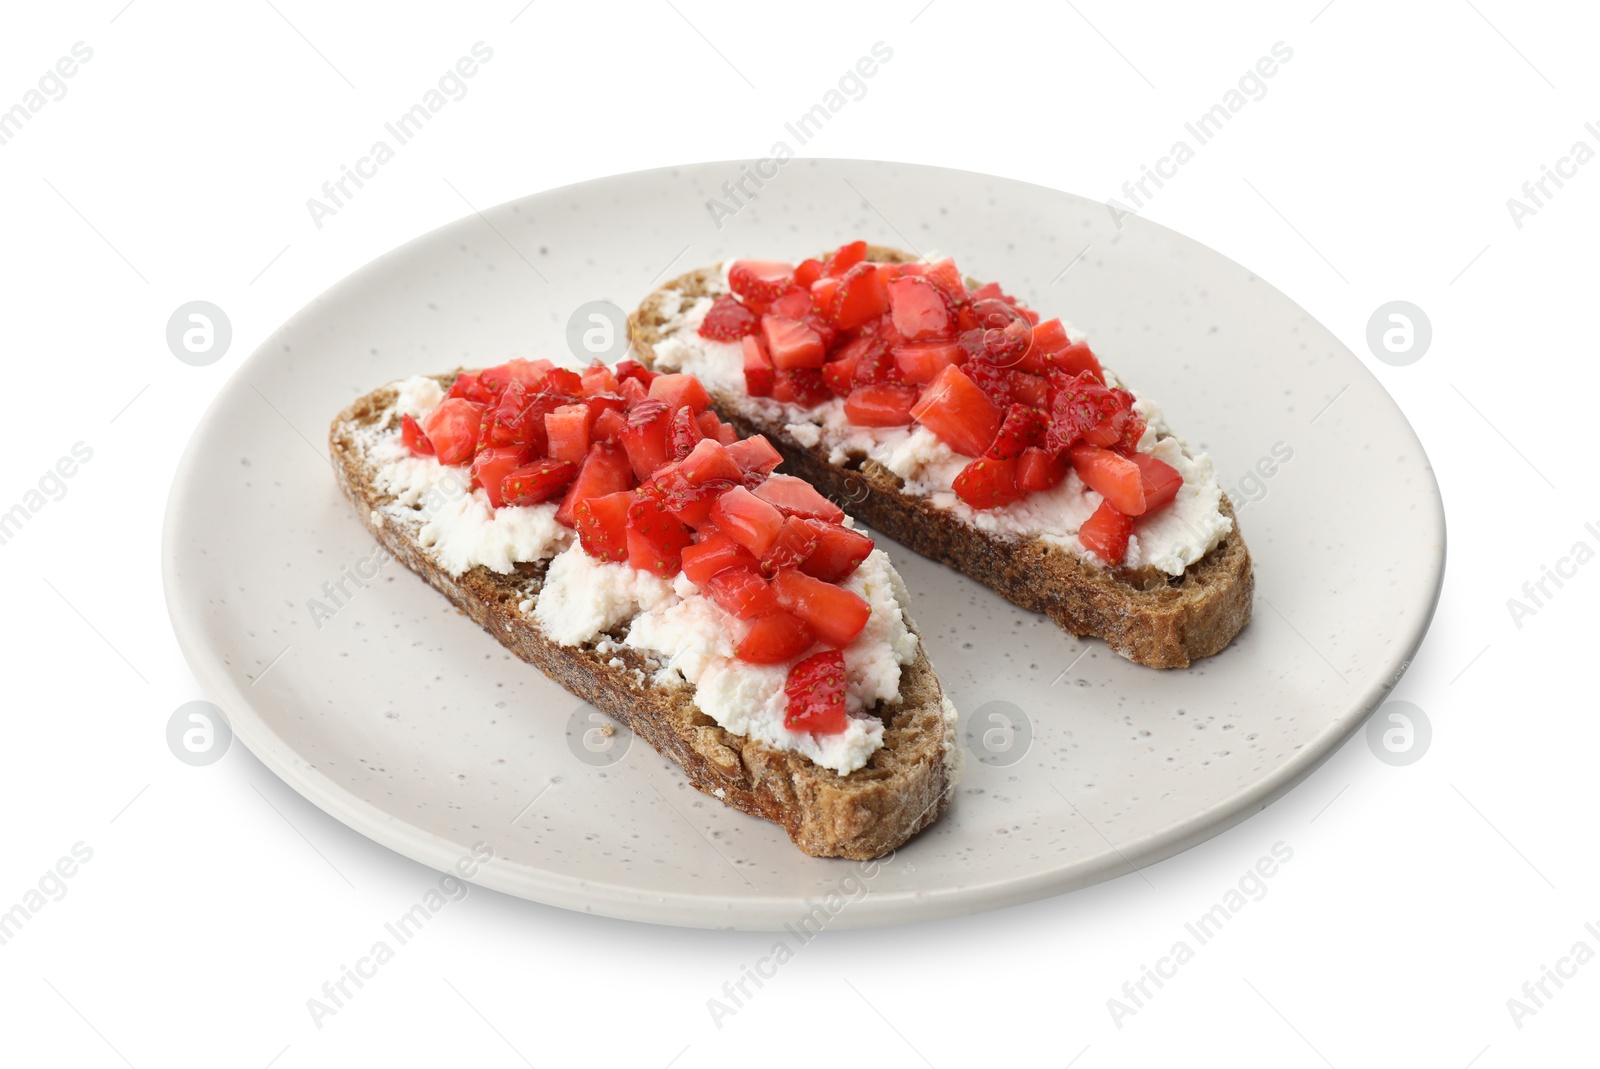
(839, 552)
(791, 343)
(1048, 337)
(987, 483)
(796, 497)
(774, 639)
(1161, 480)
(413, 439)
(1023, 427)
(709, 460)
(796, 304)
(683, 434)
(822, 292)
(876, 365)
(564, 380)
(1113, 477)
(709, 424)
(567, 431)
(468, 387)
(795, 542)
(1039, 469)
(530, 373)
(958, 413)
(492, 465)
(835, 614)
(605, 470)
(861, 296)
(1121, 431)
(920, 362)
(748, 520)
(728, 320)
(453, 429)
(807, 273)
(994, 381)
(608, 425)
(632, 369)
(632, 391)
(943, 273)
(1030, 390)
(920, 310)
(755, 454)
(761, 280)
(1074, 360)
(602, 524)
(656, 538)
(1105, 534)
(815, 689)
(840, 375)
(680, 390)
(536, 482)
(884, 405)
(802, 386)
(742, 592)
(715, 553)
(843, 258)
(688, 500)
(645, 436)
(1078, 405)
(1007, 334)
(757, 367)
(598, 379)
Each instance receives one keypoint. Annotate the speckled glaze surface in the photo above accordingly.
(404, 720)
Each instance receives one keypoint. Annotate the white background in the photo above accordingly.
(1377, 167)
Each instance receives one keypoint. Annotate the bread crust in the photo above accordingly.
(1146, 616)
(903, 788)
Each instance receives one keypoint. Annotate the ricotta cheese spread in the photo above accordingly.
(1169, 540)
(584, 600)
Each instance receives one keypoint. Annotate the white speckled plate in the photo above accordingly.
(405, 721)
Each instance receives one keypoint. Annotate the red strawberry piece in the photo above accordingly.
(760, 280)
(536, 482)
(683, 435)
(791, 343)
(882, 405)
(755, 454)
(453, 429)
(728, 320)
(1105, 534)
(608, 425)
(742, 592)
(844, 258)
(796, 497)
(920, 362)
(987, 483)
(1049, 337)
(774, 638)
(877, 366)
(748, 520)
(656, 538)
(564, 380)
(994, 381)
(598, 379)
(958, 413)
(680, 390)
(530, 373)
(492, 465)
(815, 689)
(840, 551)
(632, 391)
(713, 554)
(1030, 390)
(757, 367)
(802, 386)
(567, 432)
(632, 369)
(468, 387)
(1023, 426)
(861, 296)
(602, 524)
(807, 272)
(943, 273)
(413, 439)
(605, 470)
(1039, 469)
(1115, 478)
(840, 375)
(1074, 360)
(836, 615)
(708, 461)
(921, 311)
(1161, 480)
(795, 542)
(645, 436)
(1077, 406)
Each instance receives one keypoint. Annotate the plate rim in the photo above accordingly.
(762, 912)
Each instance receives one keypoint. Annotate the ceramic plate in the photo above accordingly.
(370, 695)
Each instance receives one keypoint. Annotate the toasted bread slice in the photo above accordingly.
(902, 788)
(1144, 614)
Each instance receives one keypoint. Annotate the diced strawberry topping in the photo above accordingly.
(539, 481)
(1039, 469)
(602, 525)
(836, 615)
(680, 390)
(987, 483)
(531, 374)
(1113, 477)
(598, 379)
(876, 365)
(800, 386)
(608, 425)
(774, 638)
(709, 460)
(492, 465)
(796, 497)
(921, 312)
(958, 413)
(755, 454)
(1022, 428)
(760, 280)
(1161, 480)
(861, 296)
(945, 275)
(748, 520)
(413, 439)
(791, 343)
(683, 434)
(921, 362)
(794, 543)
(882, 405)
(656, 538)
(467, 387)
(742, 592)
(1074, 360)
(452, 427)
(1105, 534)
(605, 470)
(757, 367)
(567, 431)
(807, 273)
(632, 369)
(645, 436)
(713, 554)
(844, 258)
(1048, 337)
(815, 689)
(728, 320)
(840, 551)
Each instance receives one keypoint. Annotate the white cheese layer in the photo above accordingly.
(1170, 540)
(582, 600)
